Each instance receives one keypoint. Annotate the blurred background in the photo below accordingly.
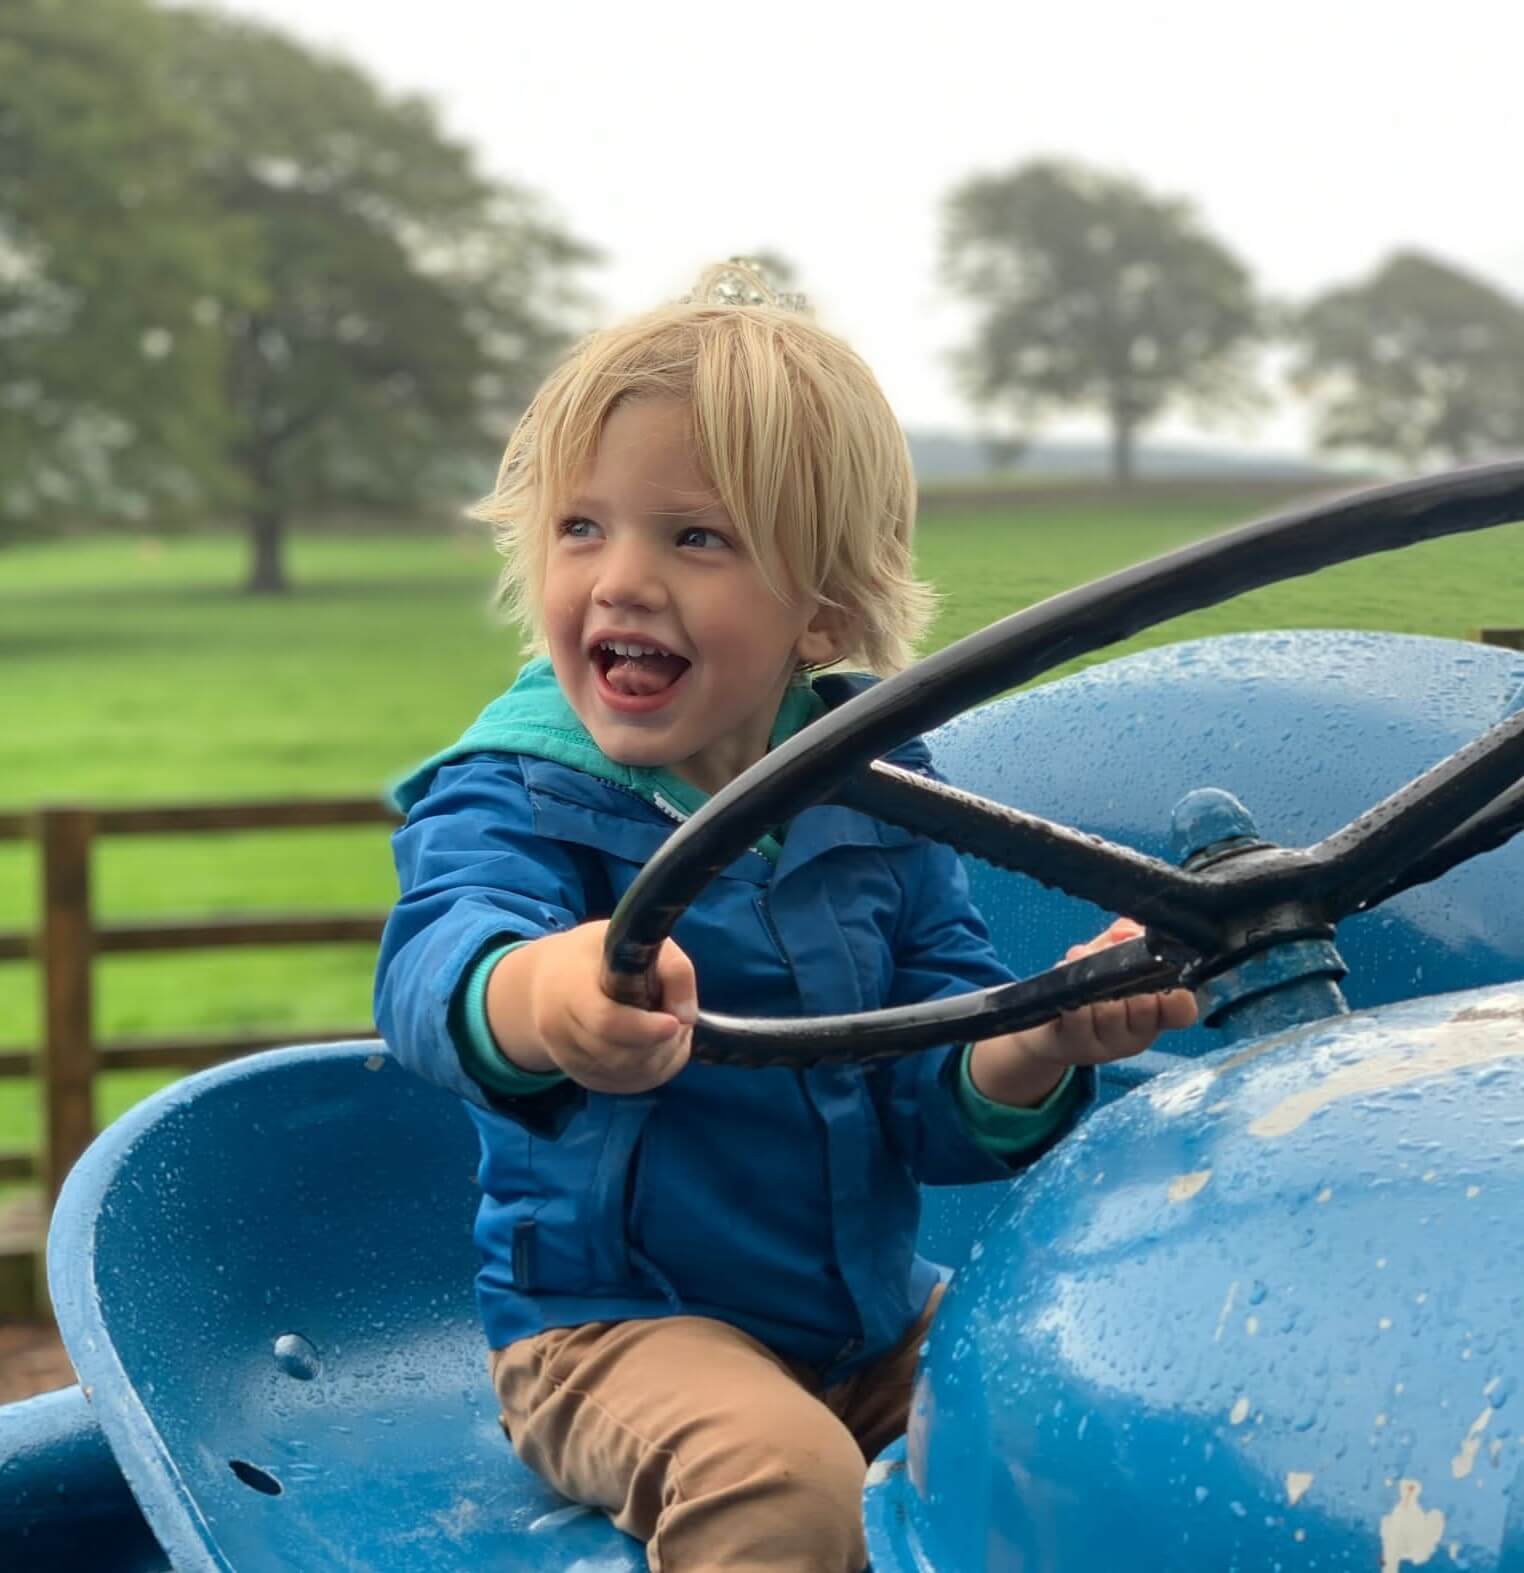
(277, 276)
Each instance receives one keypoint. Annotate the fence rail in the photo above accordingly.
(68, 939)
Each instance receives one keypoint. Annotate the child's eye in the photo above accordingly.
(697, 535)
(578, 529)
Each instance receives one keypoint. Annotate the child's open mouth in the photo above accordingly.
(636, 671)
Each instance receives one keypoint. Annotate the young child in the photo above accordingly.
(699, 1283)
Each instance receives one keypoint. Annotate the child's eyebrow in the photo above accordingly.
(673, 514)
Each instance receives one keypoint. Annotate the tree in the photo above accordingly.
(111, 263)
(406, 305)
(1420, 361)
(1093, 293)
(1003, 450)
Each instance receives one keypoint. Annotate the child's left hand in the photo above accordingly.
(1022, 1068)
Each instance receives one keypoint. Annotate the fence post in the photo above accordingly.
(68, 944)
(1508, 638)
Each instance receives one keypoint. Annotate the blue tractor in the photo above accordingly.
(1262, 1313)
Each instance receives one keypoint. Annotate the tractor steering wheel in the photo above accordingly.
(1198, 922)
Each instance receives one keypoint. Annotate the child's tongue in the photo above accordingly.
(635, 675)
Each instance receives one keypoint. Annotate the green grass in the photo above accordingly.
(990, 564)
(136, 674)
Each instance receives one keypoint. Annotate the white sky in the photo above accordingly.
(1313, 137)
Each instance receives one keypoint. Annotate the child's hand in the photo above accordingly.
(1022, 1068)
(547, 1012)
(1114, 1029)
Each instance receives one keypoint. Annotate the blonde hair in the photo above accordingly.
(791, 428)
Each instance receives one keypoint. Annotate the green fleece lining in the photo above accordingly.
(1004, 1129)
(534, 717)
(480, 1057)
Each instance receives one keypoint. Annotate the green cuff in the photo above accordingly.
(480, 1056)
(1003, 1129)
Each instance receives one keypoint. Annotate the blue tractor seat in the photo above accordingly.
(264, 1277)
(263, 1274)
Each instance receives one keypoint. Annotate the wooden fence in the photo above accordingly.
(66, 943)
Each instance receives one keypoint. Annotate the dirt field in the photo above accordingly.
(32, 1360)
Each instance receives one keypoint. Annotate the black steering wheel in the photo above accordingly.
(1198, 921)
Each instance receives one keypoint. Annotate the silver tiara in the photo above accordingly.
(743, 285)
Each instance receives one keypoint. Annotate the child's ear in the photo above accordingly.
(831, 632)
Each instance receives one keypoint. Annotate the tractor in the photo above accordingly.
(1261, 1312)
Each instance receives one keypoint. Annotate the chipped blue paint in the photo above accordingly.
(1224, 1324)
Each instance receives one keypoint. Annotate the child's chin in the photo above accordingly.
(625, 750)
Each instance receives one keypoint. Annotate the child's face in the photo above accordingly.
(645, 555)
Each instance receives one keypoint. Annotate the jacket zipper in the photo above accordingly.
(671, 810)
(852, 1345)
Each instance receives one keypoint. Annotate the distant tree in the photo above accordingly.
(1004, 451)
(406, 306)
(1093, 293)
(1420, 361)
(112, 264)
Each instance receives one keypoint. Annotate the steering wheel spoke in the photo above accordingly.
(1496, 825)
(1372, 853)
(1155, 893)
(1138, 966)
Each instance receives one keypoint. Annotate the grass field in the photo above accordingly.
(140, 674)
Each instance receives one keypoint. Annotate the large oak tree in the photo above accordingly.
(1420, 361)
(1092, 293)
(406, 305)
(113, 264)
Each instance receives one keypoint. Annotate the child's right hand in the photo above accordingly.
(547, 1012)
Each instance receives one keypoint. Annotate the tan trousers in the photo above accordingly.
(702, 1442)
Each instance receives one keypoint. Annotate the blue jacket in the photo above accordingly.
(783, 1202)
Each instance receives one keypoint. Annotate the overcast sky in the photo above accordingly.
(1313, 137)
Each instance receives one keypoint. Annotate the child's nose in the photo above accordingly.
(630, 575)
